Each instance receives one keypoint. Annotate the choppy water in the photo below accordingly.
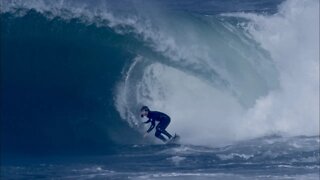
(264, 158)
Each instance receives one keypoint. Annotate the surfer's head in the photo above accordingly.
(144, 111)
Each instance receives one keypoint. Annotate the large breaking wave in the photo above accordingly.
(231, 77)
(222, 77)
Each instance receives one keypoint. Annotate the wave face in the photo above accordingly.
(72, 70)
(58, 78)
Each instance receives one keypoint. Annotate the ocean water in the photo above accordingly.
(239, 79)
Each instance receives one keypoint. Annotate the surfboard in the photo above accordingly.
(174, 139)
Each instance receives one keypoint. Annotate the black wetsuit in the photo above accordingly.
(164, 121)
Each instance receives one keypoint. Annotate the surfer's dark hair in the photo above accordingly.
(145, 108)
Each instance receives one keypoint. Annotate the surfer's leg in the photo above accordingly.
(166, 133)
(158, 135)
(162, 127)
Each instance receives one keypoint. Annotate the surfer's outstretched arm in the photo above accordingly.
(152, 126)
(147, 121)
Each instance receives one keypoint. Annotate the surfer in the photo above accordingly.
(163, 120)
